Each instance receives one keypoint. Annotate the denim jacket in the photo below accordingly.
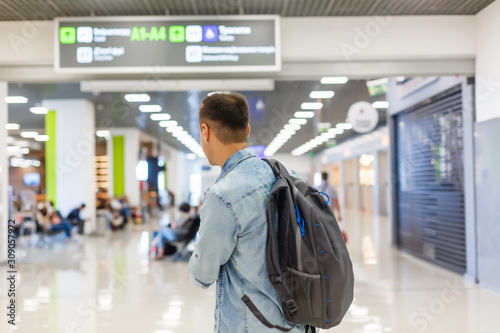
(232, 246)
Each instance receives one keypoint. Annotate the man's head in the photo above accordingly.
(324, 176)
(82, 206)
(223, 124)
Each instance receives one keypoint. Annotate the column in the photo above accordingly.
(341, 188)
(70, 152)
(123, 155)
(376, 187)
(4, 173)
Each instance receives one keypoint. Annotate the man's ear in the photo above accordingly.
(205, 131)
(248, 130)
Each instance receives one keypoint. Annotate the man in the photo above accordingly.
(332, 194)
(232, 239)
(75, 219)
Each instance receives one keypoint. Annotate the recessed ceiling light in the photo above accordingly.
(150, 108)
(311, 106)
(16, 100)
(168, 123)
(304, 114)
(295, 121)
(321, 94)
(39, 110)
(102, 133)
(12, 126)
(292, 127)
(380, 104)
(137, 98)
(334, 80)
(336, 131)
(29, 134)
(42, 138)
(161, 116)
(174, 129)
(344, 126)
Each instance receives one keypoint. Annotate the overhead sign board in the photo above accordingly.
(167, 44)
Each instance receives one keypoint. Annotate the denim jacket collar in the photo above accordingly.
(234, 159)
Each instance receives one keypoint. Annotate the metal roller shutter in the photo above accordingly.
(430, 180)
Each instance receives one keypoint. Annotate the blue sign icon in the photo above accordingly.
(210, 33)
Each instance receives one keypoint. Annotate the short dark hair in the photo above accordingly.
(185, 207)
(227, 113)
(324, 175)
(82, 205)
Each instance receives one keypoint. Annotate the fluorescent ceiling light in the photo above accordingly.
(39, 110)
(292, 127)
(150, 108)
(295, 121)
(174, 129)
(137, 98)
(42, 138)
(380, 104)
(304, 114)
(25, 151)
(160, 116)
(103, 133)
(29, 134)
(344, 126)
(311, 106)
(321, 94)
(334, 80)
(12, 126)
(16, 100)
(167, 123)
(336, 131)
(180, 134)
(191, 156)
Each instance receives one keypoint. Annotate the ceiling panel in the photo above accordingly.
(15, 10)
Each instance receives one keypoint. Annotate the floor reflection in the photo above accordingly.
(109, 283)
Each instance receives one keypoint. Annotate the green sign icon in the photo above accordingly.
(67, 35)
(176, 33)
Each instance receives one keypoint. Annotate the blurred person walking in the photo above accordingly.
(332, 194)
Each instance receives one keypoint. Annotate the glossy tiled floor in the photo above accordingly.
(108, 284)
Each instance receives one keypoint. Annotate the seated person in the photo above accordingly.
(42, 218)
(58, 224)
(177, 232)
(75, 218)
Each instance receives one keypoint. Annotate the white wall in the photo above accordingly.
(487, 63)
(373, 38)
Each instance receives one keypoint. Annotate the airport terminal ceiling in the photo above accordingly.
(15, 10)
(269, 110)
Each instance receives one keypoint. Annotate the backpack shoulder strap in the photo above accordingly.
(277, 167)
(261, 317)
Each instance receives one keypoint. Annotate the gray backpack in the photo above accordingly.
(306, 256)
